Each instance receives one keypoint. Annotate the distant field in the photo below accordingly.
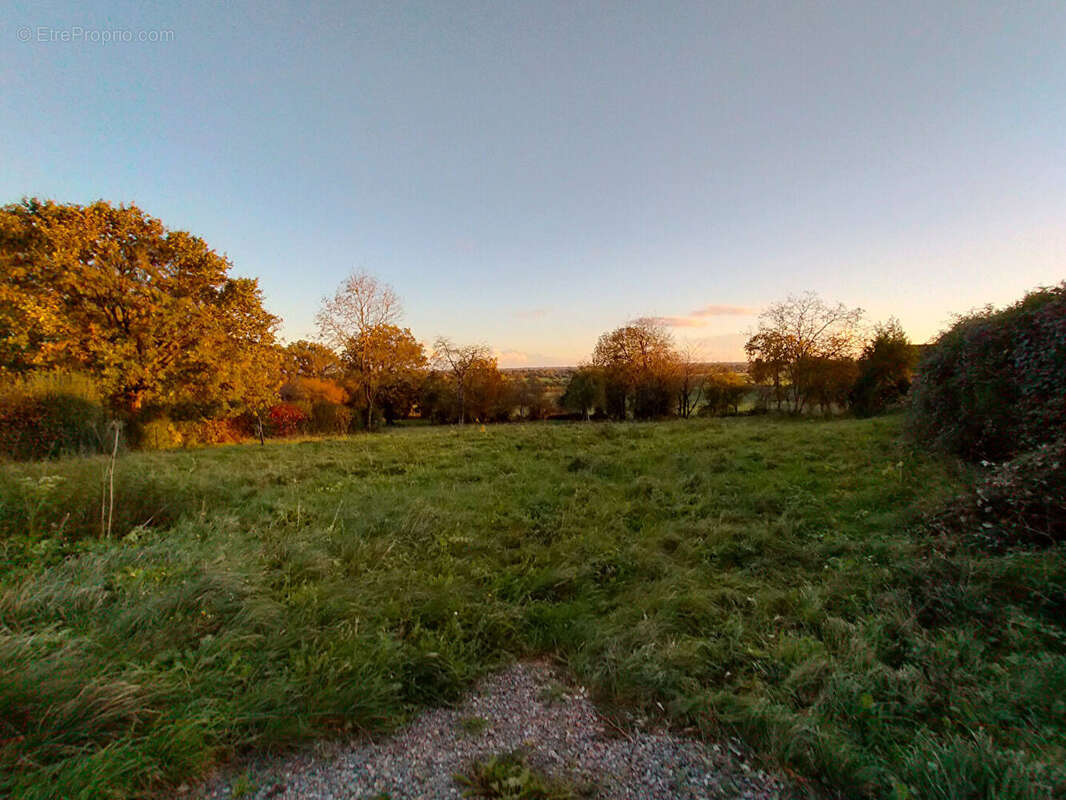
(751, 575)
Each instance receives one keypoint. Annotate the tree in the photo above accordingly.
(529, 395)
(387, 363)
(584, 391)
(723, 390)
(436, 398)
(796, 339)
(829, 382)
(689, 381)
(488, 395)
(638, 361)
(885, 368)
(354, 321)
(306, 359)
(151, 312)
(459, 361)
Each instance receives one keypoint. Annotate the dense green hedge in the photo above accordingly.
(994, 385)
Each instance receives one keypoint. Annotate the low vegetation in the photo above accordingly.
(774, 578)
(510, 777)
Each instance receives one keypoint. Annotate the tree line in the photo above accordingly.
(805, 356)
(183, 352)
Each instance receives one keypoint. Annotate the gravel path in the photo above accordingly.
(523, 707)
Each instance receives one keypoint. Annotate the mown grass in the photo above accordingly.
(758, 576)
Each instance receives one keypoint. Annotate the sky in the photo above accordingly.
(529, 175)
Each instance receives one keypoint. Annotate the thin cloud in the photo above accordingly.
(533, 313)
(724, 311)
(678, 322)
(511, 357)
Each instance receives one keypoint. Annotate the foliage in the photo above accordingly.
(198, 432)
(438, 401)
(51, 414)
(994, 385)
(359, 320)
(638, 363)
(160, 433)
(488, 396)
(884, 371)
(311, 360)
(330, 418)
(459, 363)
(286, 419)
(754, 576)
(827, 382)
(585, 391)
(473, 389)
(529, 394)
(689, 381)
(148, 311)
(800, 348)
(511, 776)
(723, 389)
(1022, 501)
(312, 390)
(387, 363)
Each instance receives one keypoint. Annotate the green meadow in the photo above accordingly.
(759, 577)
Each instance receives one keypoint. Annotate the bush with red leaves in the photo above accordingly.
(286, 419)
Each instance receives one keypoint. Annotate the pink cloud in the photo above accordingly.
(678, 322)
(725, 311)
(533, 313)
(511, 358)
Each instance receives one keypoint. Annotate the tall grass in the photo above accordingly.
(757, 576)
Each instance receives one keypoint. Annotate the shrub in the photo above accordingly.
(52, 414)
(884, 371)
(994, 385)
(510, 775)
(286, 419)
(314, 390)
(723, 390)
(159, 434)
(330, 418)
(1022, 501)
(210, 431)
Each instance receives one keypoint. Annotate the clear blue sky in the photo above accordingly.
(530, 174)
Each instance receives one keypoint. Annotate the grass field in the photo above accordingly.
(758, 576)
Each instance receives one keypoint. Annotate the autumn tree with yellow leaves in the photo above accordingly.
(151, 312)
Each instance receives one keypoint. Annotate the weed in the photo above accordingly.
(474, 726)
(243, 786)
(511, 776)
(553, 692)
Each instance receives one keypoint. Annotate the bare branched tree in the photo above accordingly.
(797, 335)
(690, 374)
(361, 307)
(458, 361)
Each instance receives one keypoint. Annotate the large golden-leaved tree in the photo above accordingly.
(639, 364)
(152, 312)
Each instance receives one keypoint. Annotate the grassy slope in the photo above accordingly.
(754, 575)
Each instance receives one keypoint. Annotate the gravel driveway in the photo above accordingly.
(523, 707)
